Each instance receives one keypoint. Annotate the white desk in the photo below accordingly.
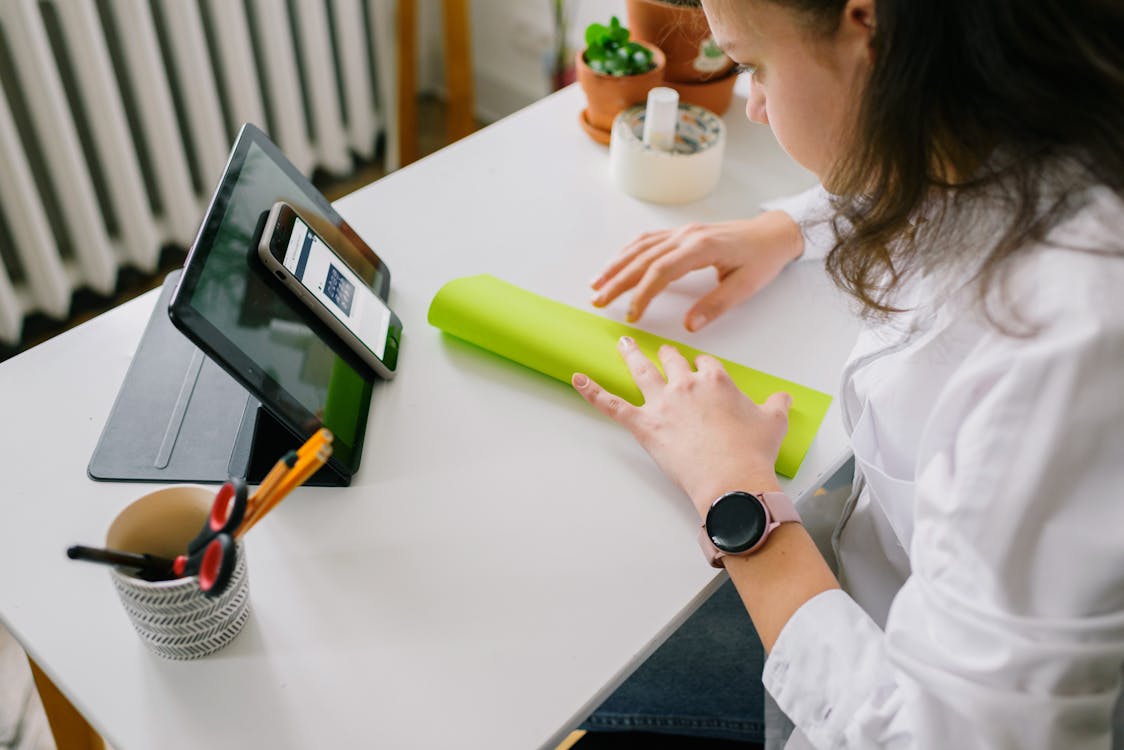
(505, 556)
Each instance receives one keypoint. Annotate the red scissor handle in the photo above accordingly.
(226, 514)
(214, 564)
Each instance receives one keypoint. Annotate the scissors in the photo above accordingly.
(213, 563)
(226, 515)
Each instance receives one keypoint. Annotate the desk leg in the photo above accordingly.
(70, 729)
(407, 93)
(460, 117)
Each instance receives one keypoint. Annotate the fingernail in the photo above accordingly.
(580, 381)
(631, 316)
(627, 341)
(598, 299)
(697, 321)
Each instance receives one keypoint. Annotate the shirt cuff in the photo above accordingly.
(826, 663)
(813, 213)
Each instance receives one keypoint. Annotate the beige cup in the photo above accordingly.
(174, 618)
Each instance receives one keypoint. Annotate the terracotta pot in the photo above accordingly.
(715, 94)
(683, 35)
(609, 95)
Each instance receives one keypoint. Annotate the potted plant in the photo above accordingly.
(696, 67)
(615, 73)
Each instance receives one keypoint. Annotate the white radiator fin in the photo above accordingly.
(29, 232)
(116, 117)
(110, 130)
(82, 229)
(190, 76)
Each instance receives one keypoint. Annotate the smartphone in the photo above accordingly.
(316, 275)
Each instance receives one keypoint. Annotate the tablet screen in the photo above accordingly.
(250, 325)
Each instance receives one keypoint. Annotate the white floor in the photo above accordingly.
(23, 725)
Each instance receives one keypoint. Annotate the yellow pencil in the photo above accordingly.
(304, 469)
(323, 436)
(261, 495)
(268, 484)
(294, 478)
(297, 476)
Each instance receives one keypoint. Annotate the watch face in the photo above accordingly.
(736, 522)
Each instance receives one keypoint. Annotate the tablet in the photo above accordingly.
(250, 326)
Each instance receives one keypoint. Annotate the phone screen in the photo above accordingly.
(337, 287)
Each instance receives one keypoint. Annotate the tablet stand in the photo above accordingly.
(262, 440)
(179, 417)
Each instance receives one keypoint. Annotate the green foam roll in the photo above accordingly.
(558, 340)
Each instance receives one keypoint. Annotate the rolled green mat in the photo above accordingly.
(559, 340)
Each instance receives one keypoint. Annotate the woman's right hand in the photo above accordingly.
(747, 254)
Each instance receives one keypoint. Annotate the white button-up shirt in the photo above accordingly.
(982, 552)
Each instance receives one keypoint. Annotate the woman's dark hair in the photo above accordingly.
(966, 98)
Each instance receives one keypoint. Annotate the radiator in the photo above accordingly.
(116, 117)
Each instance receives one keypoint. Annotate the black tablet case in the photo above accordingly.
(179, 417)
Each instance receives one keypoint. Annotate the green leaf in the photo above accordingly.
(617, 33)
(595, 34)
(608, 50)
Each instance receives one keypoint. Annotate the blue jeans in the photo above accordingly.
(704, 681)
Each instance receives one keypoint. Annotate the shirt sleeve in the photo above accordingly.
(813, 213)
(1009, 631)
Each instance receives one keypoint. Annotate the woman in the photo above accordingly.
(973, 160)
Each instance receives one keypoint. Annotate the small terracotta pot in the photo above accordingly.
(683, 35)
(715, 94)
(609, 95)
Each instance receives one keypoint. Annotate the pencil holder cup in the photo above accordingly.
(174, 618)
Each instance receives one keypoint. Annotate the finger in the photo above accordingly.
(626, 255)
(707, 364)
(778, 404)
(627, 277)
(730, 292)
(675, 365)
(658, 275)
(613, 407)
(644, 371)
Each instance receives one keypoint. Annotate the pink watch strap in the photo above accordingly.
(780, 509)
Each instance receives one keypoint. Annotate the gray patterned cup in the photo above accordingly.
(174, 618)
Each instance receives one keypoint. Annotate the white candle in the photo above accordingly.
(660, 118)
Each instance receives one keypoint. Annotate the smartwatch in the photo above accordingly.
(738, 523)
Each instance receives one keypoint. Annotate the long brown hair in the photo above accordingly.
(971, 98)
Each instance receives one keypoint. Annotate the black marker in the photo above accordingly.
(149, 567)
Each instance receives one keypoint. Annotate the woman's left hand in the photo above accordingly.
(705, 434)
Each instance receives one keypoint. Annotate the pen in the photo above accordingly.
(213, 564)
(149, 566)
